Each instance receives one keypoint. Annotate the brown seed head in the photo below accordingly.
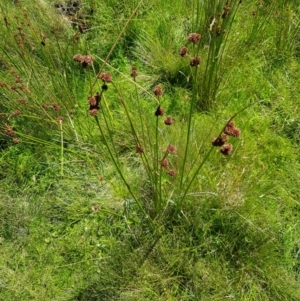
(93, 112)
(139, 149)
(172, 172)
(230, 123)
(171, 149)
(159, 111)
(9, 131)
(16, 113)
(158, 91)
(96, 208)
(88, 59)
(77, 58)
(183, 51)
(226, 149)
(231, 130)
(194, 37)
(56, 106)
(195, 61)
(221, 140)
(236, 132)
(164, 163)
(18, 79)
(22, 101)
(133, 73)
(105, 77)
(168, 120)
(84, 60)
(59, 119)
(92, 100)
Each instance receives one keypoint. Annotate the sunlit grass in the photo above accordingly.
(87, 211)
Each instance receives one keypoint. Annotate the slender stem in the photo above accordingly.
(118, 167)
(140, 113)
(61, 149)
(206, 157)
(189, 127)
(156, 166)
(137, 141)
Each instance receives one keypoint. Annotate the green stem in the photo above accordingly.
(189, 127)
(144, 158)
(61, 150)
(123, 178)
(205, 158)
(156, 201)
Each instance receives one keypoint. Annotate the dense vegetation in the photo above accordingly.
(149, 150)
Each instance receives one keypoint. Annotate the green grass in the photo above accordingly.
(83, 216)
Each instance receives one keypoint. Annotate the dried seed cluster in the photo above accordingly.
(220, 141)
(193, 38)
(94, 102)
(84, 60)
(133, 73)
(105, 77)
(164, 162)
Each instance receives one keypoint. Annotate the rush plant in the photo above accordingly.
(170, 165)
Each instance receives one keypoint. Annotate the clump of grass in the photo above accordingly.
(155, 200)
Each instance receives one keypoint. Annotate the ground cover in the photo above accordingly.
(149, 151)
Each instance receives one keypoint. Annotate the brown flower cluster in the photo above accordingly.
(195, 61)
(171, 149)
(55, 106)
(229, 130)
(164, 162)
(59, 119)
(139, 149)
(168, 120)
(16, 140)
(16, 113)
(226, 11)
(193, 38)
(183, 51)
(172, 172)
(226, 149)
(9, 131)
(84, 60)
(22, 101)
(159, 111)
(133, 73)
(221, 140)
(94, 102)
(158, 91)
(105, 77)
